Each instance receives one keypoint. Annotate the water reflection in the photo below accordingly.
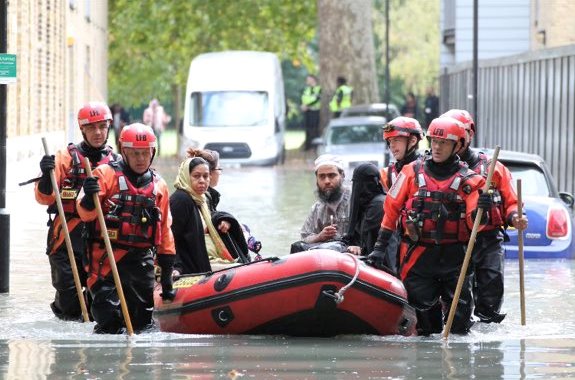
(274, 203)
(211, 357)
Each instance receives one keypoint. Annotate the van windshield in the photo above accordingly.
(229, 108)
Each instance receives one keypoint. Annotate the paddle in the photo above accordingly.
(470, 246)
(110, 253)
(520, 253)
(69, 248)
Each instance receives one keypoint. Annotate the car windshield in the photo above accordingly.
(355, 134)
(229, 108)
(533, 181)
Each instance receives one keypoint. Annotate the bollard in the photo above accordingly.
(4, 251)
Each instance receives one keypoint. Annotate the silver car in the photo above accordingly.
(356, 140)
(372, 109)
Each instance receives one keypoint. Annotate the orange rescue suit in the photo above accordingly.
(109, 189)
(70, 174)
(406, 189)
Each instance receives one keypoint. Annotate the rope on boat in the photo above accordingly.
(338, 296)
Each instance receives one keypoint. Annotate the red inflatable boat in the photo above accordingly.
(313, 293)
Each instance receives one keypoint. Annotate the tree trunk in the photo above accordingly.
(346, 49)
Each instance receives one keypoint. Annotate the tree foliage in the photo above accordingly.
(151, 42)
(414, 44)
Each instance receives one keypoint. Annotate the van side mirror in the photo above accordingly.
(567, 199)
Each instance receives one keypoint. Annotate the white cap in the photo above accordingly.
(328, 159)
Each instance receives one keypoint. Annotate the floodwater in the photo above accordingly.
(273, 202)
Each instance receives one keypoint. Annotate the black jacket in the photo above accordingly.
(191, 252)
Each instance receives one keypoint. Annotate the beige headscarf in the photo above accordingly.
(182, 182)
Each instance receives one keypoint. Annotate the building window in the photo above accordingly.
(87, 10)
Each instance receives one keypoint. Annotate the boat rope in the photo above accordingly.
(338, 296)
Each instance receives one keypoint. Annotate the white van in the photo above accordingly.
(235, 104)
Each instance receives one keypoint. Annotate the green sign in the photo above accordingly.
(7, 68)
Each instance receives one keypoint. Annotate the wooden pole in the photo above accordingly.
(520, 253)
(470, 246)
(110, 253)
(69, 248)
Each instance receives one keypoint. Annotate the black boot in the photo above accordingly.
(489, 316)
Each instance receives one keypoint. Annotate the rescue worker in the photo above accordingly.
(488, 252)
(436, 198)
(342, 97)
(310, 106)
(402, 135)
(135, 204)
(94, 120)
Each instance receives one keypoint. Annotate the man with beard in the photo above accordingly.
(328, 218)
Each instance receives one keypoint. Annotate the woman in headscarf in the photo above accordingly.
(366, 209)
(201, 237)
(213, 196)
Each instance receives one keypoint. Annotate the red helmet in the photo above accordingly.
(402, 126)
(94, 112)
(446, 128)
(463, 116)
(137, 135)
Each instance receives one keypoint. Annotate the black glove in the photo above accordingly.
(485, 201)
(377, 258)
(91, 187)
(47, 164)
(166, 263)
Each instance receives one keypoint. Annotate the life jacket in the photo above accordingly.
(74, 179)
(496, 212)
(311, 97)
(132, 218)
(437, 209)
(345, 100)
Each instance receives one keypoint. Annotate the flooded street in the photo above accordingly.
(273, 202)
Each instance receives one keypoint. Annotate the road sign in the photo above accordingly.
(7, 68)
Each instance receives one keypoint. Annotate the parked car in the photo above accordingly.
(356, 140)
(550, 213)
(373, 109)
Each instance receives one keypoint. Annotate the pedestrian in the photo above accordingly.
(202, 238)
(213, 196)
(402, 136)
(135, 204)
(431, 106)
(328, 220)
(156, 117)
(310, 106)
(94, 120)
(437, 199)
(409, 108)
(342, 98)
(121, 118)
(366, 210)
(488, 251)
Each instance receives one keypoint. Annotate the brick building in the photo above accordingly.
(61, 48)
